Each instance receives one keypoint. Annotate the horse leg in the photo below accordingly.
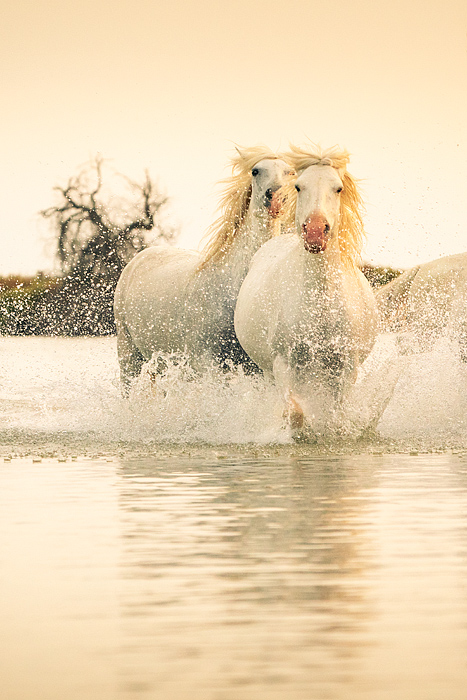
(130, 360)
(293, 412)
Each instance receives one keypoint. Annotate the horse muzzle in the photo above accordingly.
(315, 233)
(275, 202)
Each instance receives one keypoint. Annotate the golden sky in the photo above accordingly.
(169, 86)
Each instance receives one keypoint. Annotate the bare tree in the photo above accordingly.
(98, 238)
(98, 233)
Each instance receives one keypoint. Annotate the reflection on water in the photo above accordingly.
(251, 570)
(178, 546)
(234, 579)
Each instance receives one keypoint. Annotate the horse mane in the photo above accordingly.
(351, 232)
(233, 204)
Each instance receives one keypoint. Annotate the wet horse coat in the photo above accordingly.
(305, 313)
(172, 300)
(426, 302)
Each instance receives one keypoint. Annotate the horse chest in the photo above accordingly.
(315, 336)
(316, 313)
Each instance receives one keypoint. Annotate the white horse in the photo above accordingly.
(305, 313)
(426, 302)
(172, 300)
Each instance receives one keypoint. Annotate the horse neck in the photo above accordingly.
(255, 230)
(323, 271)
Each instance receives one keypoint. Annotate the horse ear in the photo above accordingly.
(240, 151)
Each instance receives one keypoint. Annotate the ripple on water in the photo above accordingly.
(186, 577)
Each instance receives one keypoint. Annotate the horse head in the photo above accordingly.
(253, 200)
(318, 205)
(268, 177)
(326, 205)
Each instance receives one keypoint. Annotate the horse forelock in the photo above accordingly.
(234, 202)
(302, 158)
(351, 233)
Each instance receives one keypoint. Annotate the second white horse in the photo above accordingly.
(172, 300)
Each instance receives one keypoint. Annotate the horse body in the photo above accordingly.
(171, 300)
(428, 301)
(305, 313)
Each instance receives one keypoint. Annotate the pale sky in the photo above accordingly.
(170, 86)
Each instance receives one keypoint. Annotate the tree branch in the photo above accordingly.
(89, 235)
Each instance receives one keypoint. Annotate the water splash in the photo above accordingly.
(68, 389)
(429, 405)
(181, 405)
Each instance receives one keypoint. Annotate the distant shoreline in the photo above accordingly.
(58, 306)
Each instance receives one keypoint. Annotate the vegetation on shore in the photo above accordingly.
(44, 305)
(98, 230)
(378, 276)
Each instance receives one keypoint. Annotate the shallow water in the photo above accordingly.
(180, 546)
(234, 579)
(61, 396)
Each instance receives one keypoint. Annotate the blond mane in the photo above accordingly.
(351, 233)
(233, 204)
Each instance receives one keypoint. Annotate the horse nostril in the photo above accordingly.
(269, 194)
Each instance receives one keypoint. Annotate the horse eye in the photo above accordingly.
(339, 190)
(297, 188)
(254, 172)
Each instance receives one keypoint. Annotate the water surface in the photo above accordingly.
(235, 578)
(141, 560)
